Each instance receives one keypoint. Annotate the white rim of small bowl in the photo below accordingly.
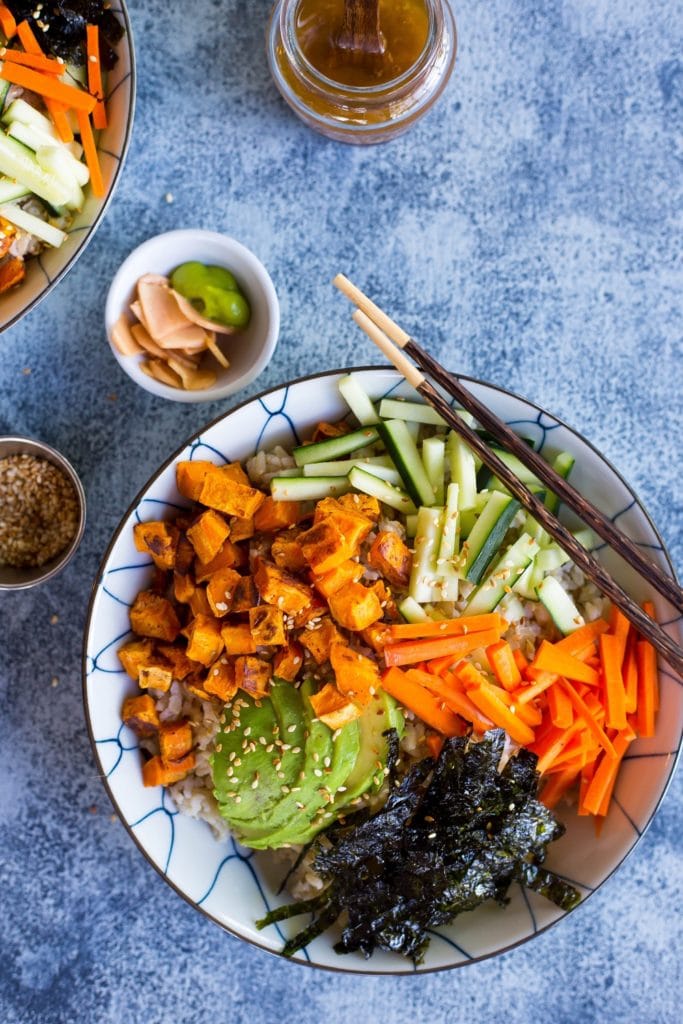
(29, 446)
(341, 969)
(217, 391)
(88, 236)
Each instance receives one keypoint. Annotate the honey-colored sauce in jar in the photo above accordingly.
(404, 25)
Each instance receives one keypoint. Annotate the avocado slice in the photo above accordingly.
(249, 784)
(319, 779)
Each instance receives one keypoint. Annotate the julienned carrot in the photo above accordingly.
(411, 651)
(520, 660)
(630, 674)
(37, 61)
(28, 39)
(434, 744)
(551, 745)
(583, 711)
(557, 785)
(527, 693)
(549, 659)
(611, 654)
(481, 693)
(90, 151)
(582, 637)
(649, 609)
(598, 793)
(502, 661)
(447, 627)
(587, 773)
(450, 692)
(48, 87)
(559, 707)
(7, 22)
(55, 109)
(648, 698)
(95, 75)
(420, 701)
(619, 627)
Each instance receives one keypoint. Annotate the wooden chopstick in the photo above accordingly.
(590, 515)
(646, 626)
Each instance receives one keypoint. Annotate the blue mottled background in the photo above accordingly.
(530, 229)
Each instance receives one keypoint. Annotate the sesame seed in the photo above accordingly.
(291, 728)
(432, 835)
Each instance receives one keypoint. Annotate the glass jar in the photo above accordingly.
(360, 114)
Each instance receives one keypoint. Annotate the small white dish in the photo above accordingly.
(249, 351)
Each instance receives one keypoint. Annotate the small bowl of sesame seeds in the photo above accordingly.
(42, 512)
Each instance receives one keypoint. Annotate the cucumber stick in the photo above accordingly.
(406, 458)
(18, 162)
(307, 488)
(10, 191)
(487, 534)
(381, 467)
(324, 451)
(434, 461)
(559, 605)
(358, 400)
(463, 470)
(34, 225)
(385, 492)
(563, 463)
(504, 574)
(415, 412)
(412, 611)
(424, 584)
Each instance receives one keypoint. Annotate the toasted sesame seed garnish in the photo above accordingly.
(432, 835)
(291, 728)
(247, 731)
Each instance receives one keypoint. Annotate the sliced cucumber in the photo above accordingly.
(551, 558)
(503, 576)
(324, 451)
(414, 412)
(18, 162)
(58, 163)
(358, 400)
(487, 534)
(447, 570)
(406, 457)
(424, 583)
(381, 489)
(463, 470)
(4, 89)
(559, 605)
(434, 462)
(308, 488)
(563, 463)
(521, 471)
(511, 608)
(11, 190)
(343, 467)
(526, 584)
(585, 537)
(412, 611)
(33, 225)
(411, 525)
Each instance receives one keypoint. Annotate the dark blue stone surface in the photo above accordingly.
(529, 229)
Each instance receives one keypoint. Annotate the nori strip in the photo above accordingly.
(452, 834)
(60, 27)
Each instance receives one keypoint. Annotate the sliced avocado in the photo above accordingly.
(319, 780)
(250, 784)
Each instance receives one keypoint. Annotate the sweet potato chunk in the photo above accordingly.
(315, 610)
(278, 588)
(267, 626)
(156, 773)
(253, 675)
(363, 504)
(153, 615)
(376, 636)
(199, 603)
(320, 638)
(277, 515)
(286, 551)
(184, 556)
(208, 534)
(175, 741)
(390, 556)
(245, 595)
(222, 492)
(220, 591)
(158, 539)
(355, 607)
(12, 272)
(183, 587)
(325, 430)
(356, 676)
(153, 677)
(234, 471)
(238, 639)
(190, 477)
(241, 528)
(288, 662)
(229, 556)
(220, 680)
(134, 655)
(330, 582)
(140, 715)
(204, 641)
(333, 708)
(353, 526)
(324, 547)
(181, 665)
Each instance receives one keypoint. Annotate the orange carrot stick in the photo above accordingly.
(557, 785)
(520, 661)
(412, 651)
(648, 699)
(552, 745)
(37, 61)
(95, 75)
(587, 773)
(549, 659)
(48, 87)
(619, 627)
(457, 700)
(90, 151)
(559, 707)
(630, 673)
(483, 695)
(649, 609)
(527, 693)
(582, 637)
(421, 702)
(599, 791)
(589, 719)
(434, 744)
(450, 627)
(56, 110)
(28, 39)
(502, 661)
(7, 22)
(611, 654)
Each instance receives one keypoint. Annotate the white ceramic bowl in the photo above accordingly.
(45, 271)
(234, 886)
(249, 351)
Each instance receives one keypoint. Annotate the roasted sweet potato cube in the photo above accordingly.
(190, 477)
(204, 641)
(12, 272)
(222, 492)
(154, 677)
(154, 615)
(175, 741)
(156, 773)
(194, 684)
(199, 602)
(220, 680)
(325, 430)
(363, 504)
(238, 638)
(278, 588)
(390, 556)
(356, 676)
(319, 637)
(333, 708)
(220, 591)
(324, 546)
(229, 557)
(267, 626)
(140, 715)
(234, 471)
(184, 556)
(315, 610)
(286, 551)
(277, 515)
(245, 595)
(134, 655)
(158, 539)
(376, 636)
(207, 535)
(330, 582)
(386, 601)
(177, 658)
(253, 675)
(288, 662)
(355, 607)
(183, 587)
(241, 528)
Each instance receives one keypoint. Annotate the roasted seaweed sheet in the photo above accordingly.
(60, 27)
(452, 834)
